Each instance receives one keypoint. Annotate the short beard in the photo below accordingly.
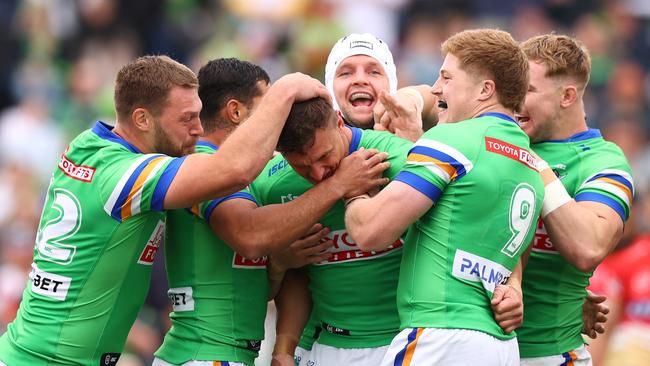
(163, 143)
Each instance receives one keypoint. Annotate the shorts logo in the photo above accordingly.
(109, 359)
(49, 284)
(345, 249)
(511, 151)
(366, 44)
(74, 171)
(240, 262)
(468, 266)
(542, 241)
(153, 244)
(254, 345)
(181, 298)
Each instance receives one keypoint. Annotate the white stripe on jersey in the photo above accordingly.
(455, 154)
(137, 197)
(112, 200)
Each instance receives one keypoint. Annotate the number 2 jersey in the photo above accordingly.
(487, 196)
(100, 228)
(353, 292)
(591, 169)
(218, 297)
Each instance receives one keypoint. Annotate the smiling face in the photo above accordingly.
(539, 117)
(457, 91)
(357, 83)
(320, 160)
(177, 128)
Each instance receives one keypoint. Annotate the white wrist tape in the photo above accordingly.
(541, 165)
(417, 98)
(555, 195)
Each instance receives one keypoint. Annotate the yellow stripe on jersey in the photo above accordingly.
(139, 183)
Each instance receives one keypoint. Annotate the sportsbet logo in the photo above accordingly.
(345, 249)
(478, 269)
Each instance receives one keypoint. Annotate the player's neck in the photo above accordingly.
(132, 137)
(570, 122)
(218, 137)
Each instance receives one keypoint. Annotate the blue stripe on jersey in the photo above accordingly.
(597, 197)
(498, 115)
(207, 144)
(440, 156)
(591, 133)
(422, 185)
(615, 177)
(399, 357)
(116, 212)
(105, 131)
(356, 138)
(207, 211)
(158, 197)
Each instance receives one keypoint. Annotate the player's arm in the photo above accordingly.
(256, 231)
(583, 232)
(240, 159)
(307, 250)
(293, 303)
(375, 223)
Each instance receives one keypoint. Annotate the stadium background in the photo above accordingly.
(59, 59)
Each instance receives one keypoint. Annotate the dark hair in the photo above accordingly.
(304, 119)
(223, 79)
(146, 83)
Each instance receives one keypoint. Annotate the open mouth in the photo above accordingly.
(521, 120)
(442, 104)
(361, 99)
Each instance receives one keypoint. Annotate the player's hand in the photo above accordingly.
(594, 314)
(398, 114)
(306, 250)
(302, 87)
(508, 307)
(360, 172)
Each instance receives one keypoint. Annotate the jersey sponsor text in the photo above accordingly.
(238, 261)
(153, 244)
(345, 249)
(181, 298)
(511, 151)
(49, 284)
(478, 269)
(78, 172)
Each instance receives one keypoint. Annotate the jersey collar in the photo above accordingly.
(581, 136)
(207, 144)
(497, 115)
(105, 131)
(356, 138)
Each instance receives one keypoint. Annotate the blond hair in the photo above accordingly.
(146, 82)
(562, 56)
(496, 55)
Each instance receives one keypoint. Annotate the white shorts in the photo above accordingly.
(578, 357)
(158, 362)
(322, 355)
(300, 356)
(450, 347)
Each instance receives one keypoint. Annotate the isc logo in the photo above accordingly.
(277, 167)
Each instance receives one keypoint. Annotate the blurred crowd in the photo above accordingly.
(59, 59)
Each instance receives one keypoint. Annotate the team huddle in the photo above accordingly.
(381, 242)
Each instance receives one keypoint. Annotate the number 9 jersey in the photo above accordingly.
(487, 197)
(100, 229)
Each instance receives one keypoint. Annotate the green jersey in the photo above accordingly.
(218, 297)
(591, 169)
(487, 196)
(356, 309)
(100, 228)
